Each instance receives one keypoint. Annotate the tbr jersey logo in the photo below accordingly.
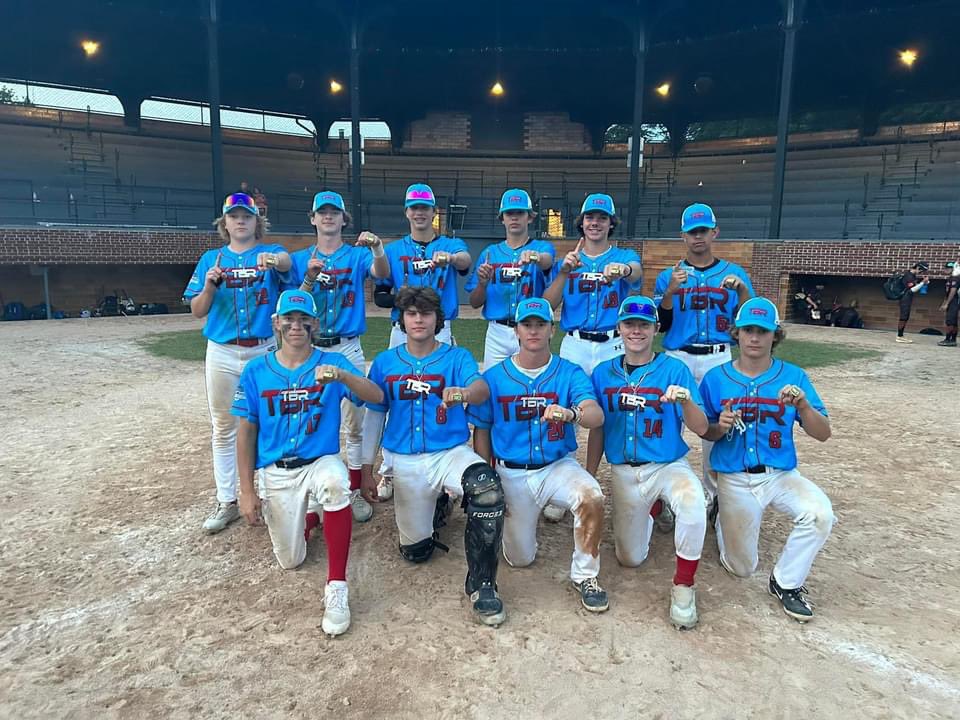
(333, 278)
(508, 272)
(524, 408)
(627, 398)
(757, 409)
(415, 387)
(292, 401)
(241, 277)
(704, 298)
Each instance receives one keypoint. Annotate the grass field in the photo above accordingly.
(190, 344)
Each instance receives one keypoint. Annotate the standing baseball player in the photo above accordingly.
(915, 280)
(235, 288)
(425, 385)
(752, 405)
(422, 258)
(334, 274)
(288, 403)
(698, 299)
(529, 424)
(508, 272)
(950, 305)
(646, 400)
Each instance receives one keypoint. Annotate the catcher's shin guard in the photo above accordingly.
(484, 505)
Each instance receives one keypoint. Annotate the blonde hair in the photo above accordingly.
(779, 335)
(263, 226)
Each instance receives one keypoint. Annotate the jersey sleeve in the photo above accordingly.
(286, 278)
(660, 288)
(343, 364)
(245, 398)
(544, 246)
(687, 380)
(746, 281)
(467, 369)
(813, 397)
(376, 376)
(635, 281)
(710, 396)
(473, 280)
(199, 277)
(580, 387)
(481, 416)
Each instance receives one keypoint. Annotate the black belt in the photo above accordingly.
(635, 463)
(759, 469)
(594, 337)
(293, 463)
(508, 323)
(247, 342)
(326, 342)
(521, 466)
(703, 349)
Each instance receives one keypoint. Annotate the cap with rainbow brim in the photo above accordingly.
(638, 307)
(240, 200)
(534, 307)
(758, 312)
(420, 194)
(296, 301)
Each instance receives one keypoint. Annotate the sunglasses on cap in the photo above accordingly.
(240, 200)
(639, 309)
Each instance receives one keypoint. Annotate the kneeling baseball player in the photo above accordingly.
(528, 424)
(647, 398)
(288, 403)
(752, 404)
(425, 385)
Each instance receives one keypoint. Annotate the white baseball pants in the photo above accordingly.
(499, 344)
(744, 497)
(699, 365)
(636, 489)
(351, 415)
(287, 495)
(565, 484)
(587, 353)
(222, 369)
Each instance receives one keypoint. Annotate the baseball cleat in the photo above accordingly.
(947, 343)
(665, 519)
(553, 513)
(362, 510)
(713, 510)
(592, 596)
(487, 606)
(385, 488)
(901, 339)
(792, 601)
(218, 520)
(683, 607)
(336, 608)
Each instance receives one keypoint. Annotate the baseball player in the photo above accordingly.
(698, 299)
(752, 405)
(529, 424)
(508, 272)
(425, 385)
(288, 403)
(334, 274)
(950, 305)
(424, 259)
(915, 280)
(235, 288)
(646, 399)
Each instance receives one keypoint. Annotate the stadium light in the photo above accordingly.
(497, 89)
(335, 87)
(908, 57)
(90, 47)
(663, 90)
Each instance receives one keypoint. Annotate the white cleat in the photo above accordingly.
(904, 340)
(683, 607)
(362, 510)
(385, 488)
(553, 514)
(218, 520)
(336, 608)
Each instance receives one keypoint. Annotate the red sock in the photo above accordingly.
(354, 479)
(686, 569)
(312, 521)
(337, 527)
(656, 509)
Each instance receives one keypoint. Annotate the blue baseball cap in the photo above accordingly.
(296, 301)
(599, 202)
(420, 194)
(515, 199)
(328, 197)
(638, 307)
(239, 200)
(697, 215)
(760, 312)
(534, 307)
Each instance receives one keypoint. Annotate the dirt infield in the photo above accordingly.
(114, 605)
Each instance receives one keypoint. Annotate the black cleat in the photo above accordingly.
(792, 600)
(713, 511)
(487, 606)
(592, 596)
(947, 343)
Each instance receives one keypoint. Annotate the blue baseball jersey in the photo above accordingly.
(417, 419)
(514, 413)
(703, 310)
(768, 438)
(410, 265)
(338, 290)
(637, 427)
(511, 282)
(247, 297)
(295, 417)
(589, 303)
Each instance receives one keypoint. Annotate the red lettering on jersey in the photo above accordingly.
(704, 298)
(524, 408)
(619, 399)
(414, 387)
(290, 401)
(775, 440)
(758, 409)
(262, 298)
(723, 323)
(234, 278)
(612, 300)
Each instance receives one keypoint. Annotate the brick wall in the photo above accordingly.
(554, 132)
(440, 131)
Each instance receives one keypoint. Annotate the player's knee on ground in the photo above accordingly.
(419, 552)
(740, 565)
(484, 504)
(292, 557)
(630, 556)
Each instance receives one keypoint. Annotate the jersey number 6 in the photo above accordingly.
(775, 439)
